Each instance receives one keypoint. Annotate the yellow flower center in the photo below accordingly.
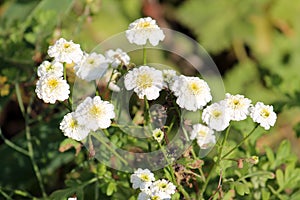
(236, 102)
(162, 185)
(49, 68)
(216, 113)
(66, 45)
(155, 198)
(91, 61)
(202, 133)
(52, 83)
(96, 111)
(194, 88)
(144, 25)
(265, 113)
(73, 124)
(144, 81)
(145, 177)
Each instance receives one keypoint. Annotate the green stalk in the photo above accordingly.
(200, 196)
(29, 140)
(172, 173)
(96, 89)
(199, 169)
(146, 111)
(13, 145)
(144, 56)
(243, 140)
(107, 146)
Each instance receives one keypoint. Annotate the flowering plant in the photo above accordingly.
(95, 117)
(155, 133)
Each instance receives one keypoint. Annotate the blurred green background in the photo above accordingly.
(254, 43)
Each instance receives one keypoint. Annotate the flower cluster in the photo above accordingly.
(218, 115)
(144, 180)
(93, 113)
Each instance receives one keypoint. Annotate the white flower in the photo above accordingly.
(117, 57)
(162, 188)
(192, 92)
(168, 75)
(204, 135)
(142, 178)
(65, 51)
(145, 81)
(70, 127)
(91, 67)
(158, 134)
(50, 68)
(263, 114)
(51, 88)
(95, 113)
(216, 116)
(238, 106)
(144, 29)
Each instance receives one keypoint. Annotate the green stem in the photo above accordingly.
(146, 111)
(199, 169)
(200, 196)
(29, 140)
(96, 89)
(243, 140)
(172, 173)
(97, 135)
(12, 145)
(144, 56)
(5, 195)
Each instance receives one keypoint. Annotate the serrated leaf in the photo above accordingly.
(241, 188)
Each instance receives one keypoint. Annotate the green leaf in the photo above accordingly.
(229, 195)
(265, 194)
(111, 188)
(241, 188)
(280, 178)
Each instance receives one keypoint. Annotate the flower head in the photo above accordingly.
(204, 135)
(142, 178)
(163, 189)
(158, 134)
(70, 127)
(238, 106)
(192, 92)
(216, 116)
(117, 57)
(50, 68)
(65, 51)
(144, 29)
(51, 88)
(145, 81)
(263, 114)
(91, 67)
(95, 113)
